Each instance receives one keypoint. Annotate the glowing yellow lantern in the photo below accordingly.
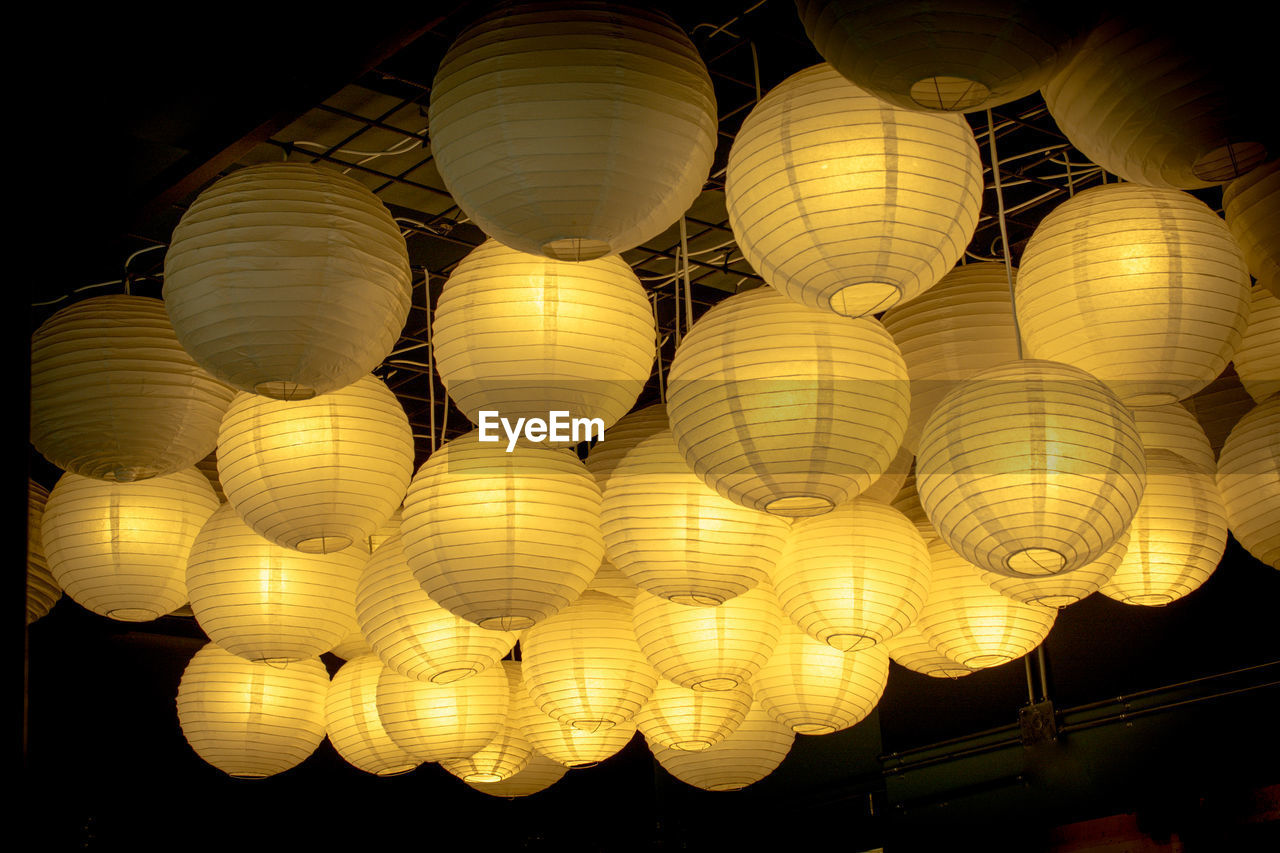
(1249, 481)
(892, 480)
(750, 753)
(1257, 359)
(1252, 207)
(42, 590)
(538, 775)
(1174, 428)
(352, 723)
(907, 502)
(566, 745)
(1068, 587)
(509, 752)
(912, 650)
(679, 718)
(443, 722)
(610, 581)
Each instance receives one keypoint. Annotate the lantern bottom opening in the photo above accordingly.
(451, 675)
(575, 249)
(399, 770)
(133, 614)
(1150, 599)
(948, 94)
(691, 745)
(714, 684)
(865, 297)
(697, 599)
(507, 623)
(813, 729)
(1035, 562)
(1228, 162)
(986, 661)
(1059, 600)
(850, 642)
(284, 389)
(799, 506)
(591, 725)
(483, 777)
(323, 544)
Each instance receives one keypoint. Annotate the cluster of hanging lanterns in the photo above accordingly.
(729, 569)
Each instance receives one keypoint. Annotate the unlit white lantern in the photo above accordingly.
(248, 718)
(538, 775)
(667, 530)
(443, 722)
(352, 723)
(114, 395)
(912, 650)
(121, 549)
(955, 56)
(1249, 481)
(1144, 288)
(1252, 207)
(853, 577)
(1257, 359)
(679, 718)
(750, 753)
(1030, 468)
(287, 280)
(502, 539)
(785, 409)
(960, 326)
(569, 746)
(846, 203)
(262, 601)
(573, 130)
(42, 590)
(509, 752)
(522, 336)
(1068, 587)
(1174, 428)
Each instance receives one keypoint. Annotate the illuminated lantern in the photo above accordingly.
(114, 396)
(589, 139)
(1068, 587)
(679, 718)
(443, 722)
(351, 720)
(501, 539)
(523, 335)
(538, 775)
(287, 280)
(610, 581)
(121, 549)
(569, 746)
(912, 650)
(845, 203)
(1031, 468)
(750, 753)
(1258, 358)
(248, 718)
(907, 502)
(1249, 481)
(509, 752)
(1252, 207)
(42, 590)
(785, 409)
(1174, 428)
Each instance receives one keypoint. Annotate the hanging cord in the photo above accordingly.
(755, 69)
(688, 288)
(431, 367)
(1004, 229)
(659, 340)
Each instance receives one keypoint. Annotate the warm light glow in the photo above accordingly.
(679, 718)
(1174, 428)
(1068, 587)
(1257, 359)
(750, 753)
(509, 752)
(42, 590)
(1249, 481)
(1252, 207)
(443, 722)
(911, 649)
(352, 723)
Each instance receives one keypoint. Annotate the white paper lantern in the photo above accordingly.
(1067, 588)
(679, 718)
(1174, 428)
(42, 590)
(538, 775)
(1257, 359)
(912, 650)
(569, 746)
(846, 203)
(573, 130)
(509, 752)
(750, 753)
(443, 722)
(352, 723)
(1252, 207)
(1249, 481)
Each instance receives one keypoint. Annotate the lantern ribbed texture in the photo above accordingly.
(1249, 481)
(42, 590)
(815, 689)
(573, 130)
(1252, 207)
(1144, 288)
(679, 718)
(317, 475)
(443, 722)
(669, 532)
(502, 539)
(287, 280)
(261, 601)
(1068, 587)
(912, 650)
(583, 665)
(1174, 428)
(709, 648)
(351, 720)
(525, 335)
(782, 408)
(567, 745)
(961, 325)
(509, 752)
(209, 467)
(250, 719)
(114, 395)
(907, 502)
(538, 775)
(1031, 468)
(610, 581)
(121, 549)
(846, 203)
(853, 577)
(744, 757)
(891, 481)
(1257, 359)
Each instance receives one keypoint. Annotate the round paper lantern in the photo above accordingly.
(958, 327)
(1249, 481)
(411, 633)
(42, 590)
(785, 409)
(1174, 428)
(318, 475)
(669, 532)
(443, 722)
(351, 720)
(121, 549)
(583, 665)
(1144, 288)
(262, 601)
(853, 577)
(679, 718)
(912, 650)
(287, 280)
(538, 775)
(1068, 587)
(248, 718)
(590, 137)
(954, 56)
(500, 539)
(1030, 468)
(1252, 207)
(1257, 359)
(845, 203)
(523, 336)
(114, 396)
(568, 746)
(509, 752)
(750, 753)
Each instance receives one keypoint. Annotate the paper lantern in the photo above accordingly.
(1174, 428)
(121, 549)
(1068, 587)
(353, 644)
(679, 718)
(411, 633)
(318, 475)
(743, 758)
(523, 336)
(1249, 481)
(569, 746)
(815, 689)
(583, 665)
(287, 280)
(1252, 207)
(443, 722)
(1144, 288)
(262, 601)
(573, 130)
(846, 203)
(1031, 468)
(912, 650)
(114, 396)
(669, 532)
(952, 56)
(1257, 359)
(509, 752)
(500, 539)
(352, 723)
(250, 719)
(42, 590)
(610, 581)
(538, 775)
(958, 327)
(853, 577)
(785, 409)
